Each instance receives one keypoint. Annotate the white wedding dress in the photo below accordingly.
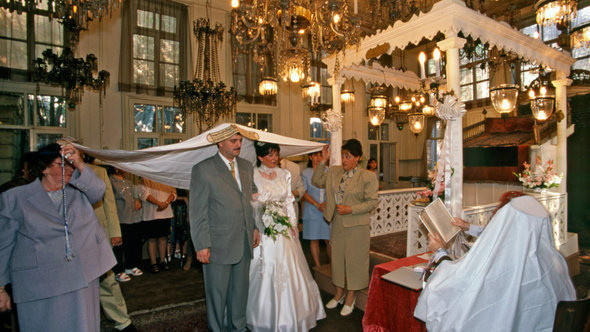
(283, 295)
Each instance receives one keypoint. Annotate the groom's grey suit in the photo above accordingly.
(221, 219)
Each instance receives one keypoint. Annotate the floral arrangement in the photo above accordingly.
(539, 176)
(428, 192)
(275, 220)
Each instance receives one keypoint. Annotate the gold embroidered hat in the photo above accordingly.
(229, 131)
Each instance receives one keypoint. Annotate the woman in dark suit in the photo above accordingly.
(54, 255)
(351, 193)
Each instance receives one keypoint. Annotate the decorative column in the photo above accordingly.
(454, 201)
(332, 121)
(561, 84)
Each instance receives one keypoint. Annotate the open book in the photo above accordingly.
(437, 219)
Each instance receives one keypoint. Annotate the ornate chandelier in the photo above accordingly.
(206, 95)
(292, 30)
(558, 12)
(81, 11)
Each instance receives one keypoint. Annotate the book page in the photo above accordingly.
(437, 219)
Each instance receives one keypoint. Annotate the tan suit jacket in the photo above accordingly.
(361, 194)
(106, 209)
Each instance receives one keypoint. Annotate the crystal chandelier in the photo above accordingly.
(206, 95)
(580, 36)
(557, 12)
(292, 30)
(81, 11)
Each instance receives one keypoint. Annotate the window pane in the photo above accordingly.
(373, 132)
(13, 25)
(143, 143)
(44, 139)
(143, 72)
(48, 31)
(168, 24)
(145, 19)
(550, 32)
(385, 131)
(13, 54)
(430, 68)
(467, 93)
(169, 51)
(145, 118)
(264, 122)
(173, 121)
(169, 75)
(483, 90)
(51, 111)
(245, 119)
(40, 48)
(530, 30)
(172, 141)
(527, 77)
(466, 75)
(315, 128)
(15, 142)
(582, 64)
(12, 109)
(143, 47)
(580, 52)
(481, 74)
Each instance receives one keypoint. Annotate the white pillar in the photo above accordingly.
(561, 84)
(451, 46)
(336, 136)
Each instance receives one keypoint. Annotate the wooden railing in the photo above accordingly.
(474, 130)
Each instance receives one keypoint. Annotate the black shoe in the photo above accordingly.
(129, 328)
(164, 266)
(154, 268)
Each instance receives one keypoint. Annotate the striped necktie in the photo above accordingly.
(232, 169)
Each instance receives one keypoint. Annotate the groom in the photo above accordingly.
(223, 229)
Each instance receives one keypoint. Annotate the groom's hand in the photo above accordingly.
(256, 240)
(203, 255)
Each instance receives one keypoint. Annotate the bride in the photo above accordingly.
(283, 295)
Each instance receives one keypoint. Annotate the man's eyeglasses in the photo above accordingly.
(58, 164)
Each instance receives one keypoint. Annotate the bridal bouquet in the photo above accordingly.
(539, 176)
(275, 220)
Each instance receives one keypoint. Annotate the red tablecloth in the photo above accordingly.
(390, 307)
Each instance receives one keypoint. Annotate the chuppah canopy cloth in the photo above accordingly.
(510, 280)
(172, 164)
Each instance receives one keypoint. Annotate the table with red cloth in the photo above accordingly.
(390, 307)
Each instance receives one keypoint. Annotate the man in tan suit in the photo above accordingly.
(111, 297)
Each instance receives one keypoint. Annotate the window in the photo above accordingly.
(157, 125)
(153, 56)
(433, 141)
(317, 131)
(24, 37)
(28, 122)
(581, 54)
(260, 121)
(474, 74)
(247, 75)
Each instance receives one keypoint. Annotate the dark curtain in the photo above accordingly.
(130, 20)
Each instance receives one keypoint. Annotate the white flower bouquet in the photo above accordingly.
(275, 219)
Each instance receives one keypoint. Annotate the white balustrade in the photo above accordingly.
(391, 215)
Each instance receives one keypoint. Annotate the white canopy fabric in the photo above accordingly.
(172, 164)
(511, 280)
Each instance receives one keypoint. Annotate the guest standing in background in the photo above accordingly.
(315, 228)
(372, 167)
(351, 193)
(157, 213)
(129, 211)
(45, 250)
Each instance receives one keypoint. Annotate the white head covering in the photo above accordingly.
(511, 280)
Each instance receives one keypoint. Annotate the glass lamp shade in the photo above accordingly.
(504, 97)
(376, 115)
(542, 107)
(293, 64)
(405, 105)
(312, 90)
(378, 101)
(347, 96)
(416, 122)
(268, 86)
(428, 110)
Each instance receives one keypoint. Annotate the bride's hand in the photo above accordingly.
(294, 232)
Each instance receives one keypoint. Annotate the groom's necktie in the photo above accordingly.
(232, 169)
